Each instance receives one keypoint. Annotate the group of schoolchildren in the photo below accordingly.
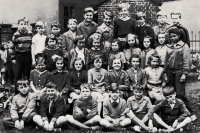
(92, 77)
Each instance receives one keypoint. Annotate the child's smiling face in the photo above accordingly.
(114, 46)
(78, 65)
(138, 93)
(96, 44)
(107, 20)
(55, 30)
(135, 63)
(124, 12)
(146, 43)
(154, 62)
(161, 38)
(116, 64)
(131, 41)
(88, 16)
(22, 25)
(72, 25)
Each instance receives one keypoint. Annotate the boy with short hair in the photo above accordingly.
(162, 26)
(173, 113)
(139, 104)
(51, 115)
(88, 25)
(184, 35)
(85, 110)
(114, 111)
(143, 29)
(22, 107)
(22, 41)
(38, 41)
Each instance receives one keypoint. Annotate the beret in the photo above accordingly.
(168, 90)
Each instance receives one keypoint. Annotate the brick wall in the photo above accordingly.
(146, 6)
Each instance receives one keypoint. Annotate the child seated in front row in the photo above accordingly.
(139, 104)
(51, 116)
(22, 107)
(114, 110)
(85, 110)
(173, 113)
(146, 53)
(156, 79)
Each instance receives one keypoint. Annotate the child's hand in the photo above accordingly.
(33, 63)
(175, 124)
(88, 110)
(21, 125)
(46, 125)
(183, 78)
(51, 126)
(14, 61)
(17, 124)
(116, 123)
(77, 91)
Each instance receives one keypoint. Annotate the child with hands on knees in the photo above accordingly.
(51, 116)
(133, 43)
(156, 79)
(147, 52)
(119, 76)
(51, 52)
(85, 110)
(22, 108)
(39, 77)
(173, 113)
(116, 53)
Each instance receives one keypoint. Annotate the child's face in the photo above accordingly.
(88, 16)
(78, 65)
(72, 25)
(23, 88)
(138, 93)
(40, 29)
(98, 63)
(114, 94)
(51, 43)
(80, 44)
(5, 46)
(154, 62)
(146, 42)
(107, 20)
(51, 93)
(171, 98)
(96, 44)
(116, 64)
(131, 41)
(85, 92)
(141, 21)
(59, 65)
(161, 38)
(174, 38)
(114, 46)
(175, 19)
(162, 19)
(124, 12)
(40, 67)
(55, 30)
(22, 25)
(135, 63)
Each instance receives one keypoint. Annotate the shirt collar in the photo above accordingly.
(86, 23)
(111, 100)
(77, 49)
(135, 70)
(56, 71)
(140, 101)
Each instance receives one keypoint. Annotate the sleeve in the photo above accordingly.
(153, 109)
(123, 109)
(88, 59)
(90, 77)
(30, 108)
(61, 53)
(166, 61)
(67, 88)
(106, 110)
(14, 110)
(127, 83)
(59, 109)
(184, 111)
(43, 109)
(14, 39)
(129, 103)
(149, 104)
(34, 40)
(115, 30)
(186, 59)
(77, 113)
(31, 75)
(144, 79)
(123, 57)
(93, 110)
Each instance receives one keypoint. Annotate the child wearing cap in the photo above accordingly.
(85, 110)
(51, 116)
(88, 25)
(22, 41)
(139, 105)
(162, 26)
(184, 34)
(106, 29)
(38, 41)
(143, 29)
(173, 112)
(177, 64)
(78, 51)
(22, 108)
(124, 24)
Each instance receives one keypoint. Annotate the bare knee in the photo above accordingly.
(61, 119)
(125, 122)
(97, 118)
(104, 123)
(69, 118)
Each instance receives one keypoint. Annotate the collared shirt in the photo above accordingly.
(112, 101)
(162, 50)
(142, 106)
(80, 53)
(39, 43)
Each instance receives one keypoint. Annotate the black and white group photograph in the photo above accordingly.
(99, 66)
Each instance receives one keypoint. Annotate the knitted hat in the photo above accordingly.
(168, 90)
